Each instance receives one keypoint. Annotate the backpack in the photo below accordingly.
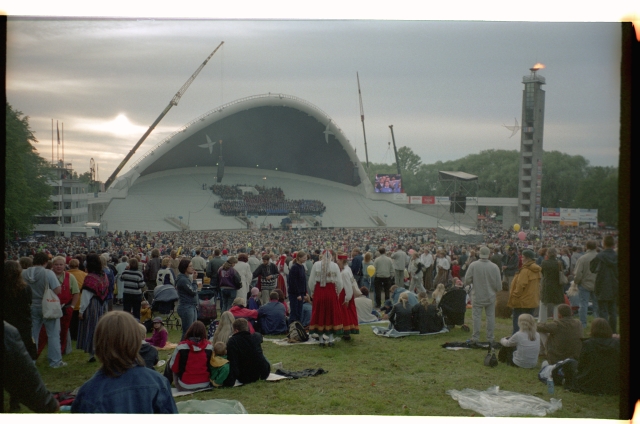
(162, 273)
(296, 333)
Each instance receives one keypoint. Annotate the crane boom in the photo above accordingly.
(366, 152)
(174, 102)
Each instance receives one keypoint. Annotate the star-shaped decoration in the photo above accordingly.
(209, 144)
(327, 132)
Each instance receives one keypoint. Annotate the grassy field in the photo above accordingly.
(370, 375)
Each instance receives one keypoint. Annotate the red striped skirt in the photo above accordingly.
(326, 313)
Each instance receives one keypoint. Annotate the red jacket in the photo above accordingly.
(190, 362)
(249, 314)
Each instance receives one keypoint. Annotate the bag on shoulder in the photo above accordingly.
(51, 308)
(296, 333)
(562, 279)
(237, 280)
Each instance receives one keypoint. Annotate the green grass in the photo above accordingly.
(370, 375)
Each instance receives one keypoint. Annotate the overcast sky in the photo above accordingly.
(447, 87)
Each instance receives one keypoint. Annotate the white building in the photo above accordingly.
(70, 206)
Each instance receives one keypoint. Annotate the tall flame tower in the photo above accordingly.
(530, 174)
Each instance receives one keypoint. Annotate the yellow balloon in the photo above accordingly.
(516, 227)
(371, 270)
(249, 244)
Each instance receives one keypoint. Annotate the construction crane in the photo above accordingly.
(172, 103)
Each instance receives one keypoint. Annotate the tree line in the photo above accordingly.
(567, 181)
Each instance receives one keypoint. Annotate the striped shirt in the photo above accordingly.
(133, 281)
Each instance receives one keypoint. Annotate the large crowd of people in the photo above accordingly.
(328, 280)
(268, 201)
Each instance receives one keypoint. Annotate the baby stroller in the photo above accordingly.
(164, 301)
(453, 306)
(207, 311)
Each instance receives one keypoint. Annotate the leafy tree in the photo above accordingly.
(26, 189)
(85, 177)
(599, 190)
(409, 161)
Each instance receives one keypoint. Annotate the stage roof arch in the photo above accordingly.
(269, 131)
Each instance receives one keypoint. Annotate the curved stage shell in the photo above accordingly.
(271, 140)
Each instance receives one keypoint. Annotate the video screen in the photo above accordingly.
(388, 183)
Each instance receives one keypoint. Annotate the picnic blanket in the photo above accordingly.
(272, 377)
(284, 342)
(496, 403)
(393, 333)
(211, 406)
(469, 345)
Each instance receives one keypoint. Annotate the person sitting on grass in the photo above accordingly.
(246, 360)
(394, 297)
(364, 307)
(437, 294)
(305, 316)
(597, 371)
(190, 361)
(254, 300)
(522, 348)
(219, 367)
(271, 316)
(424, 316)
(562, 338)
(149, 353)
(400, 315)
(122, 385)
(240, 310)
(224, 330)
(160, 335)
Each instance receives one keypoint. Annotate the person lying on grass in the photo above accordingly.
(122, 385)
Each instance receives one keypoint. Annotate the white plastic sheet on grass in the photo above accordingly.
(211, 406)
(495, 403)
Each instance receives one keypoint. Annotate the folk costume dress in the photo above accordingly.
(325, 284)
(92, 306)
(349, 312)
(283, 272)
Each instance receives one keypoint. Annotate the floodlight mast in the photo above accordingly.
(174, 102)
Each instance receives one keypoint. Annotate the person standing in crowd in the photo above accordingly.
(297, 285)
(266, 274)
(586, 282)
(123, 385)
(524, 294)
(120, 267)
(133, 284)
(462, 260)
(605, 266)
(38, 278)
(93, 304)
(346, 298)
(509, 265)
(243, 268)
(325, 285)
(399, 259)
(383, 276)
(21, 378)
(496, 258)
(199, 264)
(226, 278)
(283, 273)
(356, 266)
(69, 297)
(74, 269)
(415, 273)
(151, 269)
(485, 277)
(427, 274)
(552, 291)
(187, 294)
(442, 265)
